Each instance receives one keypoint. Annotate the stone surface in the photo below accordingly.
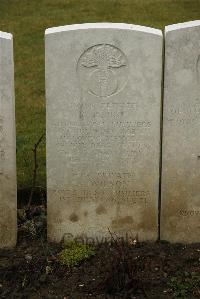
(180, 216)
(103, 90)
(8, 203)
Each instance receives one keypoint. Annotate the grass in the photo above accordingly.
(27, 20)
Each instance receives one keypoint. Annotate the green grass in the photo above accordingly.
(28, 19)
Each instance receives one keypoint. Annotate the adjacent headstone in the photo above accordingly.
(103, 89)
(180, 216)
(8, 203)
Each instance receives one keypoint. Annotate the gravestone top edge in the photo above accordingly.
(184, 25)
(119, 26)
(5, 35)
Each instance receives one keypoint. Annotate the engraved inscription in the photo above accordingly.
(189, 213)
(185, 113)
(101, 139)
(110, 179)
(122, 196)
(102, 70)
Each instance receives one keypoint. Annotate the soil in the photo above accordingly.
(118, 270)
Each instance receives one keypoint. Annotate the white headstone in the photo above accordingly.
(180, 216)
(8, 202)
(103, 89)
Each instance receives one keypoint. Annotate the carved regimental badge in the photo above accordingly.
(103, 70)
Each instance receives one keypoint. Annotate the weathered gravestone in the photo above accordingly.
(8, 208)
(180, 217)
(103, 88)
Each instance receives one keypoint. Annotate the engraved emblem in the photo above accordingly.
(103, 70)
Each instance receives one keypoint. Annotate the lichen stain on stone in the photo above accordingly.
(118, 222)
(170, 218)
(148, 220)
(101, 210)
(73, 217)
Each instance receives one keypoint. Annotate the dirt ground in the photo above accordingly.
(137, 270)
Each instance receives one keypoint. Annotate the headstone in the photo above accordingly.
(8, 203)
(180, 215)
(103, 89)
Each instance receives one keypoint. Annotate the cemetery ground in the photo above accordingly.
(35, 269)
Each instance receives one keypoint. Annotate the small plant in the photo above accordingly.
(75, 253)
(121, 270)
(29, 228)
(184, 284)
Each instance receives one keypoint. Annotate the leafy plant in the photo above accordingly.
(74, 254)
(183, 284)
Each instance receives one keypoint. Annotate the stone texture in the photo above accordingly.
(180, 215)
(103, 90)
(8, 203)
